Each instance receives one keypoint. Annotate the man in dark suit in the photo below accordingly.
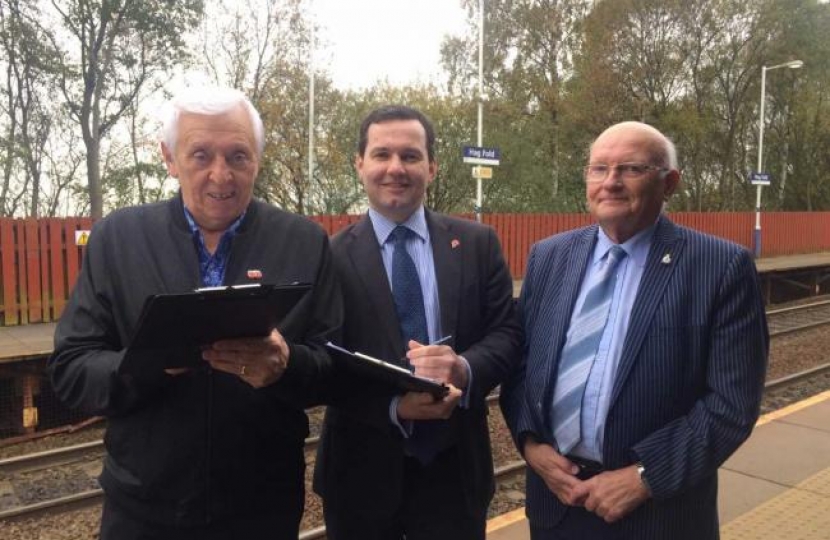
(644, 358)
(391, 465)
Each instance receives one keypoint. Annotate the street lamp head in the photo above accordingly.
(792, 64)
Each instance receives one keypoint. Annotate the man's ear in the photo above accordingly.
(169, 162)
(433, 171)
(670, 183)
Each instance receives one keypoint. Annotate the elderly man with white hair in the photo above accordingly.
(213, 450)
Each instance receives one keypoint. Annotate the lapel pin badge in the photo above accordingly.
(454, 243)
(254, 274)
(666, 259)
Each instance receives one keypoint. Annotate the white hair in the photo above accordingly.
(208, 101)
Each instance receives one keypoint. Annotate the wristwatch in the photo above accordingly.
(641, 472)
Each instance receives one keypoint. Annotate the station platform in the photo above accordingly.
(26, 341)
(776, 486)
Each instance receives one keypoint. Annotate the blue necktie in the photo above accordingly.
(406, 289)
(579, 352)
(424, 442)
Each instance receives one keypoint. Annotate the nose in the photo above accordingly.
(396, 165)
(613, 178)
(220, 171)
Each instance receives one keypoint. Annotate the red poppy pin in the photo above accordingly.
(455, 242)
(254, 274)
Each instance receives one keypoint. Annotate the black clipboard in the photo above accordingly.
(179, 322)
(395, 376)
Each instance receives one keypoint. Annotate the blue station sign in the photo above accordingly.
(479, 155)
(760, 178)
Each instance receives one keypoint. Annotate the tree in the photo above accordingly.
(110, 49)
(528, 51)
(29, 67)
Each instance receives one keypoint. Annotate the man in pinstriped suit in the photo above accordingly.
(672, 385)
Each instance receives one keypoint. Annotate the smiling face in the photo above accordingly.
(216, 163)
(625, 206)
(395, 168)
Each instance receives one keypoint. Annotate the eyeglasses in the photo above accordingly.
(598, 172)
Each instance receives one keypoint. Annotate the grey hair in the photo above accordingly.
(208, 101)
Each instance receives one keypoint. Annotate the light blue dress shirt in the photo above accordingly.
(597, 397)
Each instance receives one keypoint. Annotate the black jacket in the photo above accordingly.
(191, 449)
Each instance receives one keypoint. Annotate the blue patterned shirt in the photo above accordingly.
(212, 266)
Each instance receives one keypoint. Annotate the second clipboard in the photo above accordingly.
(385, 372)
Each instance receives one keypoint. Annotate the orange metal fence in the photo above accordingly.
(39, 260)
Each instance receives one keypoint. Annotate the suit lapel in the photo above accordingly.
(656, 276)
(366, 260)
(447, 256)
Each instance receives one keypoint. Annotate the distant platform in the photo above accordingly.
(26, 341)
(792, 262)
(784, 263)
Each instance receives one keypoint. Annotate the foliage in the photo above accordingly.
(81, 79)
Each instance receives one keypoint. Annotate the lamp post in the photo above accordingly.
(792, 64)
(481, 98)
(311, 103)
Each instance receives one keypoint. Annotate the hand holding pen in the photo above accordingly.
(438, 361)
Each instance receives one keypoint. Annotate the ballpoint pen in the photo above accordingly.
(442, 340)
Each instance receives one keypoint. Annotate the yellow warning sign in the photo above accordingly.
(30, 417)
(483, 172)
(81, 238)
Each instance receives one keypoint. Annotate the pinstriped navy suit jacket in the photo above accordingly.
(689, 381)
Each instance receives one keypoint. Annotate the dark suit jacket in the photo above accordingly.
(689, 381)
(361, 455)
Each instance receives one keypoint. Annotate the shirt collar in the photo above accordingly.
(194, 228)
(383, 226)
(635, 247)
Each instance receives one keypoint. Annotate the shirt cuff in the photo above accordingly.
(405, 427)
(465, 396)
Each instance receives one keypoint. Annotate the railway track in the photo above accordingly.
(781, 321)
(796, 318)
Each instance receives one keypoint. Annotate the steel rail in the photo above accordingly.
(793, 378)
(797, 310)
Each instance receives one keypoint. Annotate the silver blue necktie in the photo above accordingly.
(579, 352)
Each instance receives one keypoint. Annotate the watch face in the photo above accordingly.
(641, 469)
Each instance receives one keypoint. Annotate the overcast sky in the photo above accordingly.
(372, 40)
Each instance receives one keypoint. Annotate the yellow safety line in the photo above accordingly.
(795, 407)
(505, 520)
